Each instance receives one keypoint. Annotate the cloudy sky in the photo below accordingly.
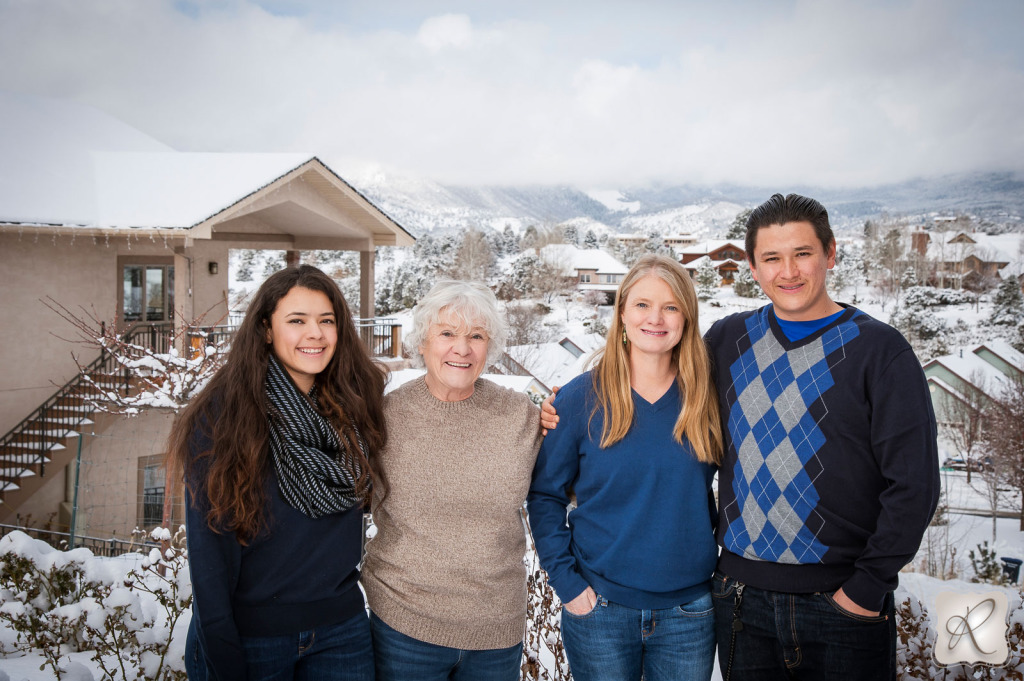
(592, 93)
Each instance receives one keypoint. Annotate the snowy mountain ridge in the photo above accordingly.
(425, 206)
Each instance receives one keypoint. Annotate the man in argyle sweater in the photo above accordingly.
(830, 474)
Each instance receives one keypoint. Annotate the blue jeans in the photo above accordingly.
(404, 658)
(772, 635)
(616, 643)
(338, 652)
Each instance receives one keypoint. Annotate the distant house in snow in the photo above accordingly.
(986, 368)
(111, 223)
(558, 362)
(676, 241)
(724, 255)
(593, 269)
(970, 260)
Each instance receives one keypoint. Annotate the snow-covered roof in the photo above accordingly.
(571, 258)
(988, 247)
(67, 164)
(553, 363)
(969, 366)
(1006, 351)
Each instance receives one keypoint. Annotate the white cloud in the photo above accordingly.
(596, 94)
(450, 30)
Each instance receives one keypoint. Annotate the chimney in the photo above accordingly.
(919, 242)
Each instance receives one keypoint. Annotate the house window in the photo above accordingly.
(609, 278)
(584, 278)
(152, 477)
(147, 293)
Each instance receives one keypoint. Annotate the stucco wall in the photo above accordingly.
(80, 272)
(109, 490)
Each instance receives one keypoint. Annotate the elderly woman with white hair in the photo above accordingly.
(444, 575)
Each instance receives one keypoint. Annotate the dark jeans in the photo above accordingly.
(766, 635)
(338, 652)
(404, 658)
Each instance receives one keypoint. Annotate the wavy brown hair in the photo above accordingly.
(699, 420)
(232, 410)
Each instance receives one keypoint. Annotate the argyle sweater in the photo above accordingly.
(830, 474)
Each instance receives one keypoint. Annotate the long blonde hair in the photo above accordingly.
(698, 420)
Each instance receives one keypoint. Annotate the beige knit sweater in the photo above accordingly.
(446, 565)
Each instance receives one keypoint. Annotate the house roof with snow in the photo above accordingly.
(69, 166)
(559, 362)
(955, 246)
(571, 259)
(711, 246)
(987, 367)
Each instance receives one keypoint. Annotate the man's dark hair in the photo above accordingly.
(779, 210)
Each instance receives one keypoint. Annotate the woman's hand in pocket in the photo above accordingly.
(583, 603)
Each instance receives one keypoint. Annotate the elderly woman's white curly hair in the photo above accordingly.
(470, 304)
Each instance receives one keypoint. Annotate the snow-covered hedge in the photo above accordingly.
(130, 613)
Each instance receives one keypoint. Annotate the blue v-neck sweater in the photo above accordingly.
(642, 532)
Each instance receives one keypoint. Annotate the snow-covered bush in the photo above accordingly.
(60, 602)
(928, 296)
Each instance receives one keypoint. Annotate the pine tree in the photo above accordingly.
(590, 241)
(744, 284)
(738, 228)
(708, 279)
(571, 235)
(1008, 303)
(656, 244)
(511, 240)
(245, 263)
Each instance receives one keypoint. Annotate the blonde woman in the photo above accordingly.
(637, 443)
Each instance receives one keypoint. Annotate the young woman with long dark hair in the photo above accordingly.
(275, 453)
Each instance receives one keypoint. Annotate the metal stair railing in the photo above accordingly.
(31, 439)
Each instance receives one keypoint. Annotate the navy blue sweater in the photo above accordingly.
(642, 532)
(298, 574)
(830, 475)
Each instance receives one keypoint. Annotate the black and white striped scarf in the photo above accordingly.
(316, 473)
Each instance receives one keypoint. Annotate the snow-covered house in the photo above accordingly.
(594, 269)
(677, 241)
(557, 363)
(969, 259)
(113, 224)
(724, 255)
(985, 369)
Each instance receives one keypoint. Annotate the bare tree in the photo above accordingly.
(156, 379)
(474, 260)
(961, 419)
(1005, 434)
